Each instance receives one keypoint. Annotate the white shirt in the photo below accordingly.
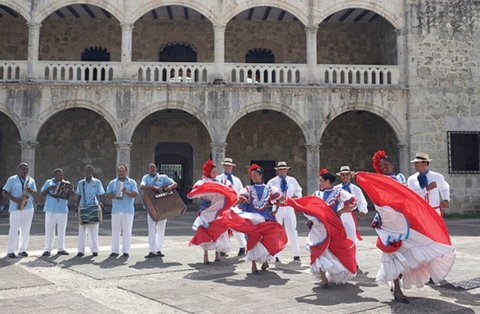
(237, 183)
(357, 192)
(434, 196)
(293, 188)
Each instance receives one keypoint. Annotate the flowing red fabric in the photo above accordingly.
(270, 234)
(216, 227)
(339, 245)
(384, 191)
(359, 237)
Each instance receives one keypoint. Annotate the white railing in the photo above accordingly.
(171, 72)
(262, 73)
(73, 71)
(335, 74)
(12, 70)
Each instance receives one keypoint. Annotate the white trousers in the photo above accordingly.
(122, 223)
(52, 220)
(156, 234)
(91, 231)
(20, 222)
(351, 230)
(286, 217)
(242, 242)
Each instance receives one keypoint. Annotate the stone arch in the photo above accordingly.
(281, 4)
(17, 6)
(374, 6)
(52, 6)
(49, 112)
(144, 112)
(286, 110)
(15, 119)
(192, 4)
(386, 115)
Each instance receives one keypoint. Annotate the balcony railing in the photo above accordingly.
(195, 73)
(12, 70)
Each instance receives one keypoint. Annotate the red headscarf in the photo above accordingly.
(207, 168)
(255, 167)
(379, 154)
(322, 171)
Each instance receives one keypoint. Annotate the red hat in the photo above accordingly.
(379, 155)
(207, 168)
(255, 167)
(322, 171)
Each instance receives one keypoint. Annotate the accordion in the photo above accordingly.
(64, 190)
(164, 205)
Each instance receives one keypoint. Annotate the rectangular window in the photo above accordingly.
(464, 152)
(174, 171)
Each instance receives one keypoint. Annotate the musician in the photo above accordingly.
(56, 213)
(122, 191)
(289, 188)
(156, 229)
(20, 189)
(89, 189)
(228, 177)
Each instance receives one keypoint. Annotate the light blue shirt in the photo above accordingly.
(88, 192)
(158, 180)
(125, 205)
(52, 204)
(14, 186)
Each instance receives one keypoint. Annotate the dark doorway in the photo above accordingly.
(176, 160)
(178, 52)
(95, 54)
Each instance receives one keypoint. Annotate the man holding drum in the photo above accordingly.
(88, 191)
(156, 229)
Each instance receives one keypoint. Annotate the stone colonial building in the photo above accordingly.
(319, 83)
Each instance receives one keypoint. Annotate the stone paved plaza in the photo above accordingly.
(180, 282)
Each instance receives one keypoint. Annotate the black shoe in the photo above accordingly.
(159, 253)
(62, 252)
(126, 255)
(150, 255)
(11, 255)
(46, 253)
(113, 254)
(241, 252)
(23, 254)
(95, 254)
(80, 254)
(402, 299)
(296, 258)
(223, 254)
(277, 260)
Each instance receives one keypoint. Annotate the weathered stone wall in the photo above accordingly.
(267, 135)
(356, 43)
(14, 38)
(9, 149)
(443, 78)
(168, 126)
(72, 139)
(66, 39)
(149, 35)
(352, 138)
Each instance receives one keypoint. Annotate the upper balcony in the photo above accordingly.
(179, 45)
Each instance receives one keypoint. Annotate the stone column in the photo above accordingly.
(28, 155)
(219, 55)
(401, 56)
(126, 58)
(311, 32)
(403, 159)
(218, 154)
(33, 49)
(123, 154)
(313, 166)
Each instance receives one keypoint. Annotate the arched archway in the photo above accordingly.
(71, 139)
(353, 137)
(14, 35)
(356, 35)
(164, 137)
(10, 151)
(69, 28)
(267, 136)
